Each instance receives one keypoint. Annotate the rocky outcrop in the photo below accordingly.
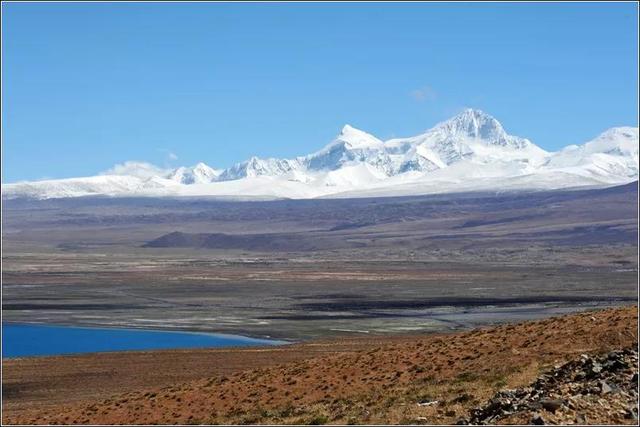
(588, 390)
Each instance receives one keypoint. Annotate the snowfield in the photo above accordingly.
(470, 152)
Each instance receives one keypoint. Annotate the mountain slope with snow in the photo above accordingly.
(470, 152)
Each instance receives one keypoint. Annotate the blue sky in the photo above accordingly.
(86, 86)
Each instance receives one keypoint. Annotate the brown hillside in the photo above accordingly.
(432, 379)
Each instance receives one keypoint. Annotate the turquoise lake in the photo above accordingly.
(22, 340)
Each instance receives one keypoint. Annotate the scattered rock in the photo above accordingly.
(605, 388)
(551, 405)
(571, 393)
(462, 398)
(631, 413)
(536, 419)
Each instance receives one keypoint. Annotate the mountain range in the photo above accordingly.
(469, 152)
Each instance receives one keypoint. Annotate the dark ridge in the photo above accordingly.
(480, 222)
(351, 225)
(356, 305)
(62, 306)
(255, 242)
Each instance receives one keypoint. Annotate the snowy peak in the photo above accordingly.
(615, 141)
(355, 139)
(351, 145)
(256, 166)
(474, 124)
(472, 136)
(478, 125)
(612, 155)
(198, 174)
(351, 138)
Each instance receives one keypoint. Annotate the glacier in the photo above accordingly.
(469, 152)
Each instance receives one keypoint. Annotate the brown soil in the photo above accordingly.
(433, 379)
(34, 383)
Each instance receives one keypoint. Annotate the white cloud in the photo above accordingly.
(138, 169)
(423, 94)
(169, 155)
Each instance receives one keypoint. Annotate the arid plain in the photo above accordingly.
(334, 276)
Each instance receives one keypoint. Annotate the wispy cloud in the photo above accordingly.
(139, 169)
(423, 94)
(170, 156)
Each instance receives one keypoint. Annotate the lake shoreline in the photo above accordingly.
(20, 340)
(448, 318)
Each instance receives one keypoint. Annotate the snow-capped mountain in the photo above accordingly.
(471, 151)
(198, 174)
(471, 135)
(255, 167)
(614, 152)
(352, 145)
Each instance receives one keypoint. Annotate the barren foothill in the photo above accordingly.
(435, 378)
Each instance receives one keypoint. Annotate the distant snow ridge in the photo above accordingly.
(469, 152)
(255, 167)
(613, 154)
